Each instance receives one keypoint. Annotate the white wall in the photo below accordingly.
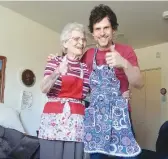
(26, 44)
(147, 60)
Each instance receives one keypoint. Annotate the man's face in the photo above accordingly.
(103, 33)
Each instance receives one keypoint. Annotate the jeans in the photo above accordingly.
(102, 156)
(125, 157)
(97, 156)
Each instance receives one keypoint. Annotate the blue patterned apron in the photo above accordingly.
(107, 124)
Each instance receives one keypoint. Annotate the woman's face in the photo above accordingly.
(76, 43)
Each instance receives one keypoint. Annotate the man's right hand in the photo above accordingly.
(50, 57)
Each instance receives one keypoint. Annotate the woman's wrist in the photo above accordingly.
(56, 73)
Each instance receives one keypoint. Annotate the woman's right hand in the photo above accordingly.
(63, 67)
(49, 80)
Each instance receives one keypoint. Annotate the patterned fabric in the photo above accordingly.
(63, 126)
(74, 70)
(65, 122)
(107, 123)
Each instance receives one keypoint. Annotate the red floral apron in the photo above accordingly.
(62, 117)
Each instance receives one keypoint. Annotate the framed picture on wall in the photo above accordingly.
(2, 77)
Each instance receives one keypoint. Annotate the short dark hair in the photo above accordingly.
(100, 12)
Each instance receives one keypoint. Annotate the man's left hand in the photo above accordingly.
(114, 59)
(127, 95)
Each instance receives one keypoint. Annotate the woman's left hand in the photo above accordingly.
(127, 94)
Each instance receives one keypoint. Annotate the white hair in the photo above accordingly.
(67, 30)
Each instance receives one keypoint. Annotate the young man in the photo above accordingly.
(102, 25)
(122, 58)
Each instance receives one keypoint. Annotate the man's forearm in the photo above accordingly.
(134, 75)
(49, 81)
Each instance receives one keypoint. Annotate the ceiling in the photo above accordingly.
(140, 22)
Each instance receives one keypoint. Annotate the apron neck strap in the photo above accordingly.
(81, 73)
(94, 58)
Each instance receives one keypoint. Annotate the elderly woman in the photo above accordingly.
(65, 83)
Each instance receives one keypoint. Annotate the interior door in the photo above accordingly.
(138, 112)
(146, 109)
(153, 107)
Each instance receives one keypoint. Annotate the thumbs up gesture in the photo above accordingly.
(114, 59)
(63, 67)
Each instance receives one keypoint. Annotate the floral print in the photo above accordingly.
(62, 126)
